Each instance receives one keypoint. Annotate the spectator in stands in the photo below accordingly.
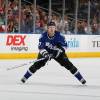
(81, 28)
(1, 19)
(1, 10)
(2, 29)
(11, 27)
(99, 27)
(64, 25)
(56, 19)
(95, 29)
(27, 24)
(27, 13)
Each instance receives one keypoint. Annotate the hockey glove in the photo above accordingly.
(45, 54)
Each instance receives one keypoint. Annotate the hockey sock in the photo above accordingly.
(79, 77)
(27, 74)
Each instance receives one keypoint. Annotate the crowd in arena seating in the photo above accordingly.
(25, 23)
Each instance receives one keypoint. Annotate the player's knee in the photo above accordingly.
(36, 66)
(62, 63)
(32, 69)
(73, 70)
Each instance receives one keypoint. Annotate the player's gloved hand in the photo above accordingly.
(45, 54)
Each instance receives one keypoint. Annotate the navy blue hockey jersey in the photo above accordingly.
(45, 42)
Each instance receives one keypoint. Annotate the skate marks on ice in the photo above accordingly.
(53, 89)
(63, 85)
(50, 87)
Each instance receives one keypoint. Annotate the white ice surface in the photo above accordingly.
(51, 82)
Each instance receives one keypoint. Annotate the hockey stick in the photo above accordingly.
(24, 64)
(18, 66)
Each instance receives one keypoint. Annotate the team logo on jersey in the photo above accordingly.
(50, 46)
(47, 44)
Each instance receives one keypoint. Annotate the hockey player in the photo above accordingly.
(52, 46)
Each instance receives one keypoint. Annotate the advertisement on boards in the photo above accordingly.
(94, 43)
(18, 43)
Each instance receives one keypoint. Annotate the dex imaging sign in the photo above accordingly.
(16, 42)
